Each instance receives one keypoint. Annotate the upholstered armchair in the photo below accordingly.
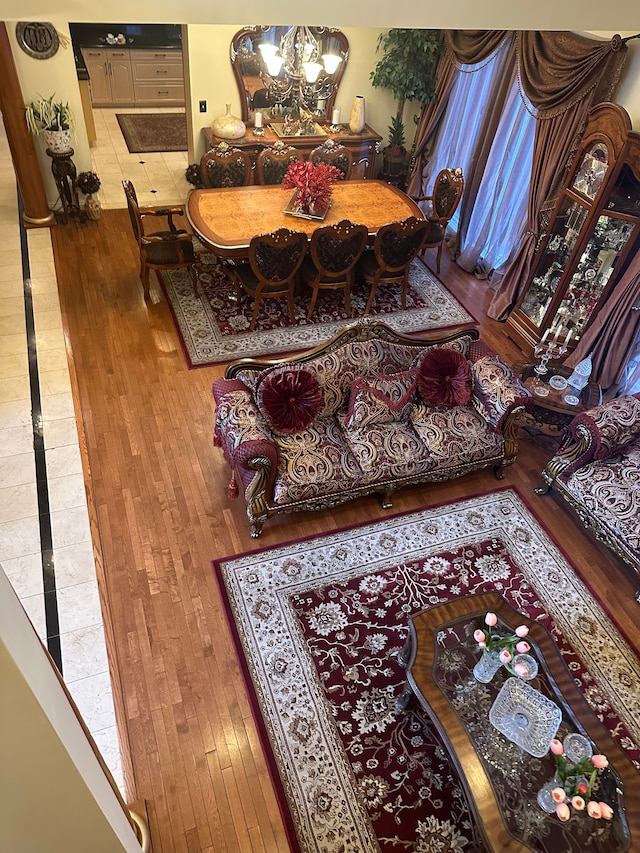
(224, 166)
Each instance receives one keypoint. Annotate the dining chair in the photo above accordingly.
(272, 163)
(334, 251)
(225, 166)
(444, 201)
(274, 262)
(394, 247)
(160, 250)
(333, 154)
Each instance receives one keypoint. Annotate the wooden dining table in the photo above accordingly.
(226, 218)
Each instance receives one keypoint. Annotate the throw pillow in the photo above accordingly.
(290, 398)
(380, 399)
(444, 378)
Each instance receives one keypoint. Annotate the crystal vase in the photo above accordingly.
(487, 666)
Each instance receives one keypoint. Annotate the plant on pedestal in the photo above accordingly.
(408, 70)
(54, 119)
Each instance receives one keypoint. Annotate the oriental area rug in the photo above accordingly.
(214, 328)
(319, 624)
(148, 132)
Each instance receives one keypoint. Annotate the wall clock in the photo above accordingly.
(40, 40)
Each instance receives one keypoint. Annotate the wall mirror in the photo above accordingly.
(283, 71)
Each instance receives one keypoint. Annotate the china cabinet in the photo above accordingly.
(592, 231)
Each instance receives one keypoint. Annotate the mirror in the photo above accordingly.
(283, 71)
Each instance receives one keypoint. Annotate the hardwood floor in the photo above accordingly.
(158, 502)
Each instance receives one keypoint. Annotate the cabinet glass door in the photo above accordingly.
(592, 171)
(562, 238)
(592, 274)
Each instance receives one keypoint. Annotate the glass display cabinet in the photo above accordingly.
(592, 231)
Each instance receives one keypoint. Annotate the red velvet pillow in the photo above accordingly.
(444, 378)
(290, 398)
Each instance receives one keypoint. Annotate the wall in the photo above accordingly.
(55, 794)
(46, 77)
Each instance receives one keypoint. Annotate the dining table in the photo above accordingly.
(225, 219)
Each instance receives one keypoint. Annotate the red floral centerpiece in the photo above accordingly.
(313, 183)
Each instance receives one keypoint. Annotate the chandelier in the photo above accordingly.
(299, 70)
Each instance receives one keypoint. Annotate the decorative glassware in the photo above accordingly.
(529, 663)
(487, 666)
(525, 716)
(577, 747)
(545, 800)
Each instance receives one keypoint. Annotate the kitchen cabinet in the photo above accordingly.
(110, 76)
(158, 78)
(135, 76)
(593, 229)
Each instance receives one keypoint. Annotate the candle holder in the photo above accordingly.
(258, 131)
(548, 351)
(335, 128)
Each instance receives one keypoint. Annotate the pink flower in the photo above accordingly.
(491, 619)
(505, 656)
(599, 761)
(556, 747)
(606, 811)
(522, 631)
(558, 795)
(563, 811)
(578, 803)
(478, 636)
(593, 809)
(582, 788)
(521, 669)
(522, 647)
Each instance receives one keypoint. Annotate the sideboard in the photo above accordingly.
(363, 146)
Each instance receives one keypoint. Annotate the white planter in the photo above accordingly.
(58, 141)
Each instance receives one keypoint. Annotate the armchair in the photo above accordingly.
(160, 250)
(224, 166)
(445, 199)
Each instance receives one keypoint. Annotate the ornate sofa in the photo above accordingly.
(597, 471)
(357, 415)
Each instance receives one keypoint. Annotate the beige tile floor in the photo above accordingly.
(159, 179)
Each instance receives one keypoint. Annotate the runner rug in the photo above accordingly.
(148, 132)
(319, 624)
(214, 328)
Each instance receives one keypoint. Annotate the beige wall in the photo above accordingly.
(55, 795)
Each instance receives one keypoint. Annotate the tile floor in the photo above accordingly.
(78, 628)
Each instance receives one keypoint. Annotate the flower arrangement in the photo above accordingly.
(578, 781)
(194, 176)
(313, 182)
(505, 645)
(88, 183)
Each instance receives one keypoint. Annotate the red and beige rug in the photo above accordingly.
(319, 623)
(214, 328)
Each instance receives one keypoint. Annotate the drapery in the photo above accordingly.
(563, 75)
(613, 335)
(560, 73)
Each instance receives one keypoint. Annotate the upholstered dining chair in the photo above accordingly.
(274, 262)
(159, 250)
(272, 163)
(333, 154)
(394, 247)
(225, 166)
(447, 191)
(334, 251)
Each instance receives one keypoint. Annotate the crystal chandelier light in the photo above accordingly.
(298, 72)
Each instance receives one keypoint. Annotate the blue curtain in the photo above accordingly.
(498, 219)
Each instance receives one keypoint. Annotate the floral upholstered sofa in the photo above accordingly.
(597, 471)
(369, 411)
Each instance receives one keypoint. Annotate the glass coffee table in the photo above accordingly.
(501, 779)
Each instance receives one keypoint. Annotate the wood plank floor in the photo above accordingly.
(158, 500)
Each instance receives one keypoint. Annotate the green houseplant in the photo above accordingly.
(54, 119)
(407, 69)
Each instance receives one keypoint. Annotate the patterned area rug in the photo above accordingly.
(214, 328)
(148, 132)
(320, 623)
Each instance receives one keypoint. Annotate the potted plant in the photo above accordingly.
(54, 119)
(408, 69)
(89, 184)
